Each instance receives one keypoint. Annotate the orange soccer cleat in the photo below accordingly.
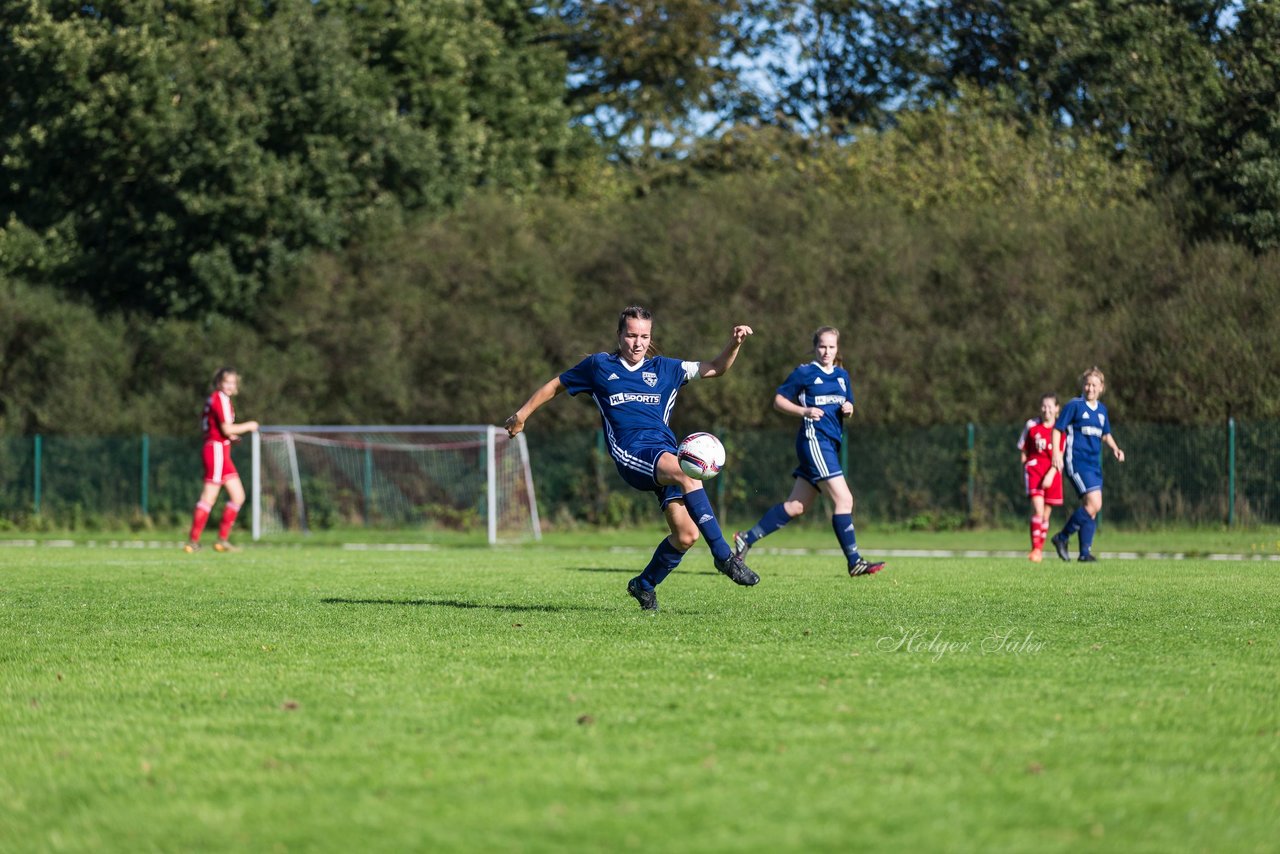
(1035, 556)
(224, 546)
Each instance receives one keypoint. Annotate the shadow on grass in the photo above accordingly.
(452, 603)
(632, 570)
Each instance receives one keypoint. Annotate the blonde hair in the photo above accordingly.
(823, 330)
(1095, 371)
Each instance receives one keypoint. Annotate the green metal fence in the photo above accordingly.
(947, 477)
(935, 477)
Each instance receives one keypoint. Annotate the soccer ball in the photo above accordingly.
(701, 456)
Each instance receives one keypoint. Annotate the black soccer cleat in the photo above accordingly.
(737, 569)
(1087, 558)
(862, 566)
(648, 599)
(740, 544)
(1060, 546)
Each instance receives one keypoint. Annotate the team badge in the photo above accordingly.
(841, 381)
(1102, 419)
(650, 379)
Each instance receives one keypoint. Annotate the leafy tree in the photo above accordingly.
(175, 158)
(644, 74)
(1244, 176)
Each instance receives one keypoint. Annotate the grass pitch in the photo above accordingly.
(517, 699)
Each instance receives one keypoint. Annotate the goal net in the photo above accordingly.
(461, 477)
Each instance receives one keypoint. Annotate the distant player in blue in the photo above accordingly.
(821, 394)
(1087, 427)
(635, 390)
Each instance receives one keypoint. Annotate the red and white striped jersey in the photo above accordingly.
(217, 411)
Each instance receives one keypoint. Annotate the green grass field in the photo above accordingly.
(516, 699)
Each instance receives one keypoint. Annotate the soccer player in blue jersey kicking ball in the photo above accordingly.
(819, 393)
(635, 390)
(1087, 426)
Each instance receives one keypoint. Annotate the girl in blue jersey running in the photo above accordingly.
(1087, 426)
(820, 393)
(635, 390)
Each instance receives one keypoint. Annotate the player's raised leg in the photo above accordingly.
(776, 517)
(703, 515)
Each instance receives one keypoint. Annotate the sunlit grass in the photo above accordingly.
(517, 699)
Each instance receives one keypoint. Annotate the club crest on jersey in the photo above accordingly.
(841, 381)
(1102, 419)
(650, 378)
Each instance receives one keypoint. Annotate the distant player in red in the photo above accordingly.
(1044, 482)
(218, 424)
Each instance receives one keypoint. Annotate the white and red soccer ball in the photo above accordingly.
(701, 456)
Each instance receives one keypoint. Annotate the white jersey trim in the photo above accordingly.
(692, 370)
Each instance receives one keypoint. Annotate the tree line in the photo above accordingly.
(392, 211)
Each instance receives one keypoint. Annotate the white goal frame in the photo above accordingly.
(488, 431)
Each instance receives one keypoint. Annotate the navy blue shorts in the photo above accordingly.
(819, 458)
(1084, 479)
(639, 468)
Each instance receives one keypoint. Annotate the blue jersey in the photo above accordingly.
(1084, 424)
(812, 385)
(634, 401)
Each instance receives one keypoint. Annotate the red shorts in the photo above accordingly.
(219, 469)
(1035, 476)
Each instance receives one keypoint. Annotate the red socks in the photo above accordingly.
(198, 520)
(1039, 532)
(229, 518)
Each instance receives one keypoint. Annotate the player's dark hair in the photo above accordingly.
(1049, 395)
(635, 312)
(221, 375)
(838, 361)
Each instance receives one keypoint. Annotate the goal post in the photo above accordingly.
(461, 477)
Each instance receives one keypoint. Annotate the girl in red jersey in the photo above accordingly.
(1044, 483)
(218, 424)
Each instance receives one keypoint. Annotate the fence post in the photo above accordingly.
(601, 458)
(844, 451)
(368, 483)
(1231, 472)
(146, 471)
(37, 461)
(972, 466)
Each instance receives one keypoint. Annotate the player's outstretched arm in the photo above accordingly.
(720, 364)
(550, 389)
(235, 430)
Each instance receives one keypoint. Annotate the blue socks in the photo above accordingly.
(1076, 522)
(773, 519)
(699, 507)
(1084, 523)
(665, 558)
(842, 524)
(1086, 534)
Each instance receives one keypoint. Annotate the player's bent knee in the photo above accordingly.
(685, 540)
